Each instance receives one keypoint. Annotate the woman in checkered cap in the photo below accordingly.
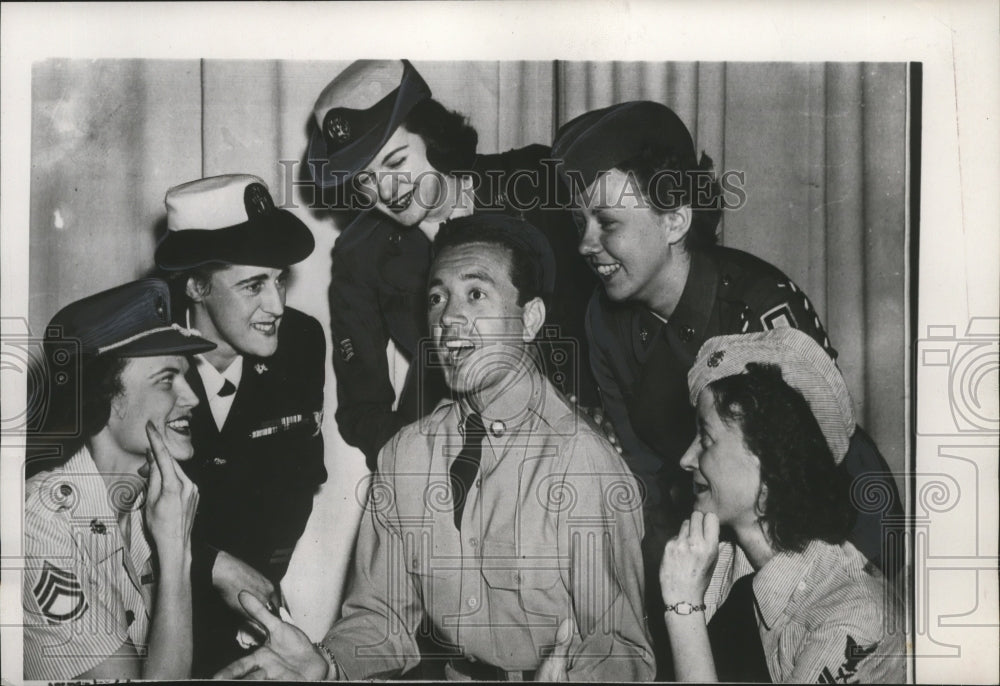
(774, 420)
(106, 588)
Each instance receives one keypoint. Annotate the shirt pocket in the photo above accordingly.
(527, 597)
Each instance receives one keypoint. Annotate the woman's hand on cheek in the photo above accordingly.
(689, 558)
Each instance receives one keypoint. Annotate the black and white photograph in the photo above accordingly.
(600, 361)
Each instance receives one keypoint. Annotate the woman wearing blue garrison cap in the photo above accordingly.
(382, 145)
(106, 588)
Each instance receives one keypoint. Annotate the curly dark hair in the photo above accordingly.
(526, 270)
(808, 497)
(450, 140)
(667, 185)
(100, 381)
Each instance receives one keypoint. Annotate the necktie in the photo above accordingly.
(466, 465)
(227, 389)
(735, 638)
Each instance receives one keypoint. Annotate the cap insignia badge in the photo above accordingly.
(716, 358)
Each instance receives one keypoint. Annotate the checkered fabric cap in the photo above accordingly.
(804, 365)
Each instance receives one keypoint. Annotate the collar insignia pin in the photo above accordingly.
(260, 367)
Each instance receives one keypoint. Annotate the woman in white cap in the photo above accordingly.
(774, 419)
(380, 142)
(107, 590)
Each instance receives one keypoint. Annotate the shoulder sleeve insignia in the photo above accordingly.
(346, 349)
(854, 653)
(778, 316)
(59, 595)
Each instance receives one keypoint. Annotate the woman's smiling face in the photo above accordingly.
(153, 390)
(726, 474)
(402, 183)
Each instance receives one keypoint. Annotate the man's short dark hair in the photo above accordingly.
(808, 496)
(527, 272)
(450, 140)
(667, 186)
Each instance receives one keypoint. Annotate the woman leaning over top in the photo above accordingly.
(773, 421)
(106, 590)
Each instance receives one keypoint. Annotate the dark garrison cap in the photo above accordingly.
(132, 320)
(597, 141)
(356, 114)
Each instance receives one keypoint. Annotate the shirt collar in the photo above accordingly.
(213, 379)
(779, 579)
(520, 403)
(93, 495)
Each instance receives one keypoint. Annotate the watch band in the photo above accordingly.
(684, 608)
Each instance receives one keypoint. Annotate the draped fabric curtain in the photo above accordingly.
(822, 148)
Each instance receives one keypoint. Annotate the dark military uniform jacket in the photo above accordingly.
(641, 364)
(257, 476)
(378, 292)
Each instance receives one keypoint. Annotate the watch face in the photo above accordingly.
(683, 608)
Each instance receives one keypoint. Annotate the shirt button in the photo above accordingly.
(479, 483)
(474, 542)
(726, 280)
(801, 586)
(687, 333)
(472, 602)
(517, 578)
(394, 237)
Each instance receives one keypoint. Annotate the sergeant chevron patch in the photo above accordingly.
(59, 595)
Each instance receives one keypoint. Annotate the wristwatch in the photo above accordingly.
(685, 608)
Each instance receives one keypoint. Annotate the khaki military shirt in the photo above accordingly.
(551, 529)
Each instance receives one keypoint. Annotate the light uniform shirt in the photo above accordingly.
(86, 591)
(825, 615)
(551, 529)
(214, 381)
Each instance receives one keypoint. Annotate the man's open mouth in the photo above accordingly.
(181, 425)
(456, 349)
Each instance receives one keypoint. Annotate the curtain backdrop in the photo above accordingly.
(823, 148)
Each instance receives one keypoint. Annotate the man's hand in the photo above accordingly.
(287, 655)
(689, 558)
(556, 665)
(230, 575)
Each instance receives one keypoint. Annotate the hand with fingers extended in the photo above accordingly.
(555, 667)
(689, 558)
(230, 575)
(171, 499)
(287, 654)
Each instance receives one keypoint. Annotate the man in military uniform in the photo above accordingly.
(381, 143)
(258, 449)
(503, 519)
(648, 211)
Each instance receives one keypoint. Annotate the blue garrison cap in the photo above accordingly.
(132, 320)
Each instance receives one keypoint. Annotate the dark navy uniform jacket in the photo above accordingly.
(378, 292)
(257, 477)
(641, 364)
